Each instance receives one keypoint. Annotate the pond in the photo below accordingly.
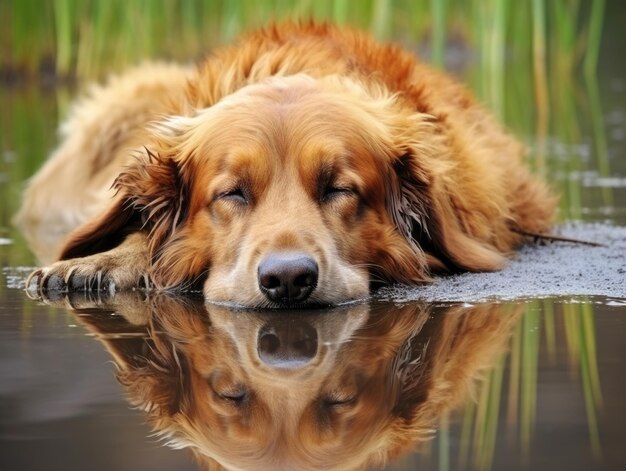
(522, 369)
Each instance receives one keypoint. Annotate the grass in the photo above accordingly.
(87, 38)
(535, 333)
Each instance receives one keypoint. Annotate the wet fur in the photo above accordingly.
(438, 185)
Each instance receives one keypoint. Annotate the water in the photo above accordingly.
(517, 385)
(521, 369)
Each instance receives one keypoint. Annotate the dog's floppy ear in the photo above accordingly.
(103, 233)
(421, 205)
(151, 196)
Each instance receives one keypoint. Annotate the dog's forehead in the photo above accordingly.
(296, 128)
(299, 119)
(299, 108)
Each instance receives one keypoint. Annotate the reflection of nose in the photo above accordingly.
(288, 277)
(287, 344)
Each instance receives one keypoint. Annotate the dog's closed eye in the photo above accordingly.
(235, 394)
(235, 195)
(339, 401)
(331, 187)
(335, 191)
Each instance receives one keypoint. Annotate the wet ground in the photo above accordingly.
(520, 369)
(541, 270)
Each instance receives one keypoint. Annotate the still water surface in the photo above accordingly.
(527, 383)
(520, 385)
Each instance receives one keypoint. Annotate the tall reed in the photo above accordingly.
(87, 38)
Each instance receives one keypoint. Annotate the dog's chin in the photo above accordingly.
(263, 304)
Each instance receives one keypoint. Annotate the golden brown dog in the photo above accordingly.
(345, 389)
(294, 168)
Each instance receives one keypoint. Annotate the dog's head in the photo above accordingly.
(293, 191)
(340, 389)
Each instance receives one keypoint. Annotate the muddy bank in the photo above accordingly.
(537, 271)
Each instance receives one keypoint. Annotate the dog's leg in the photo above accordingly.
(122, 268)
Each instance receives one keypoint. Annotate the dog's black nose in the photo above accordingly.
(288, 344)
(288, 277)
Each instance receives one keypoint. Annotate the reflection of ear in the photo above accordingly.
(437, 369)
(158, 379)
(423, 209)
(150, 362)
(152, 196)
(412, 364)
(123, 335)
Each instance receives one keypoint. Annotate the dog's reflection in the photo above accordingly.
(348, 388)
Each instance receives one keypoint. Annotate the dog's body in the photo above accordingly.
(294, 168)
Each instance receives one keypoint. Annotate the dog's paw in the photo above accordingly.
(71, 277)
(121, 268)
(80, 276)
(97, 273)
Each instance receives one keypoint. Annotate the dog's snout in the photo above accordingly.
(287, 278)
(287, 345)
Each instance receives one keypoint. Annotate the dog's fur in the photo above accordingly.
(301, 138)
(374, 386)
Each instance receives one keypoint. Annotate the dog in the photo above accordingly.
(302, 166)
(348, 388)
